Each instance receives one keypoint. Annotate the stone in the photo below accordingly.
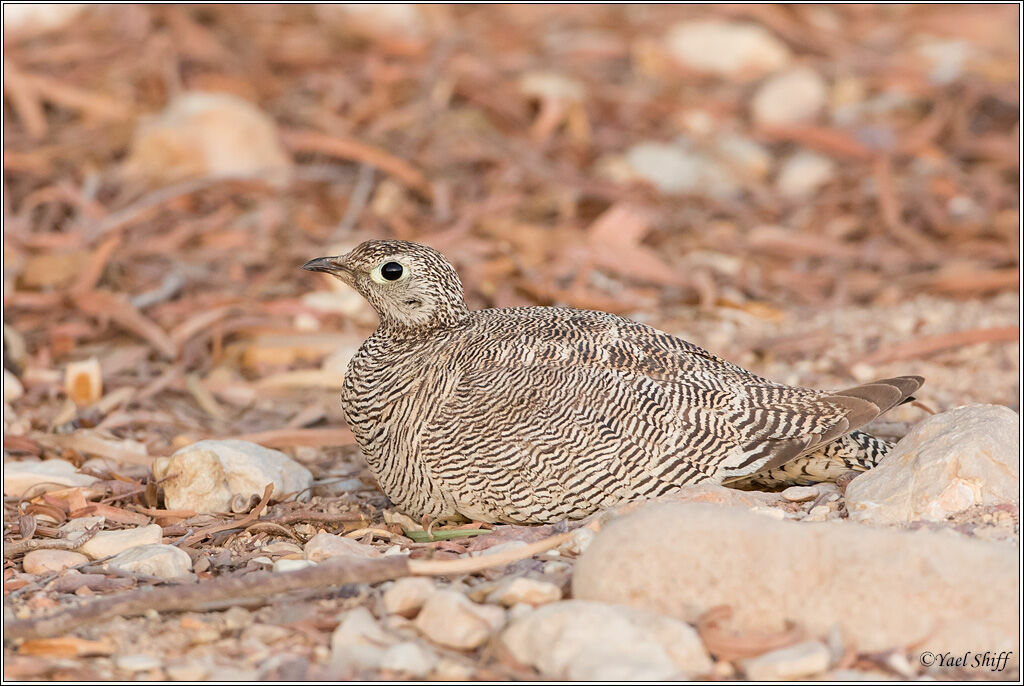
(678, 167)
(792, 662)
(12, 387)
(884, 588)
(206, 134)
(361, 642)
(83, 381)
(324, 546)
(751, 158)
(34, 477)
(582, 640)
(792, 97)
(209, 475)
(406, 596)
(31, 18)
(49, 561)
(376, 20)
(546, 85)
(803, 173)
(156, 559)
(948, 463)
(521, 589)
(292, 565)
(106, 543)
(733, 49)
(799, 494)
(189, 670)
(450, 619)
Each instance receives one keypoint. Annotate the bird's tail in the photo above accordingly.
(856, 451)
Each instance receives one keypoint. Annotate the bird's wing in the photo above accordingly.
(594, 403)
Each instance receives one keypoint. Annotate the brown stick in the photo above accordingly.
(237, 590)
(178, 598)
(929, 345)
(28, 545)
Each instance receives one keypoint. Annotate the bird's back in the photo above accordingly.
(539, 414)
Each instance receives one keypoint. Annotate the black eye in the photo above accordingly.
(392, 271)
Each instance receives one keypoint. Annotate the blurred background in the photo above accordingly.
(823, 194)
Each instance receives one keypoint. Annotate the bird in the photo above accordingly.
(537, 415)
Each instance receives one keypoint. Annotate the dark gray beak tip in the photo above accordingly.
(321, 264)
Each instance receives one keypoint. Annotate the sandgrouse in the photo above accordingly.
(539, 414)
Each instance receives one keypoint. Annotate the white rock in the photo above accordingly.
(580, 539)
(49, 561)
(79, 524)
(949, 462)
(580, 640)
(29, 18)
(406, 595)
(207, 134)
(106, 543)
(804, 173)
(137, 662)
(292, 565)
(521, 589)
(726, 48)
(324, 546)
(209, 474)
(35, 477)
(12, 387)
(882, 587)
(793, 662)
(679, 168)
(947, 58)
(792, 97)
(451, 619)
(799, 494)
(361, 642)
(189, 670)
(157, 559)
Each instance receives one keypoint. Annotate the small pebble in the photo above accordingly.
(794, 662)
(799, 494)
(137, 662)
(292, 565)
(406, 596)
(49, 561)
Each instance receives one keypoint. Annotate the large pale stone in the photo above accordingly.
(206, 134)
(107, 543)
(361, 642)
(949, 462)
(727, 48)
(884, 588)
(581, 640)
(406, 596)
(453, 620)
(792, 662)
(155, 559)
(34, 478)
(49, 561)
(524, 590)
(209, 475)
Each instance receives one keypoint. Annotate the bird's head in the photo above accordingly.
(409, 285)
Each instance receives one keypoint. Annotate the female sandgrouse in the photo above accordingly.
(538, 414)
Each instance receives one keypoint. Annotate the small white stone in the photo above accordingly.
(579, 541)
(726, 48)
(12, 387)
(292, 565)
(324, 546)
(546, 85)
(208, 475)
(408, 657)
(190, 670)
(34, 477)
(521, 589)
(804, 173)
(49, 561)
(451, 619)
(750, 157)
(106, 543)
(360, 641)
(137, 662)
(406, 595)
(158, 559)
(794, 662)
(792, 97)
(799, 494)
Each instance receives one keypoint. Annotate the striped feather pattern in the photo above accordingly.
(539, 414)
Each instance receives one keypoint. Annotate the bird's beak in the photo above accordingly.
(330, 265)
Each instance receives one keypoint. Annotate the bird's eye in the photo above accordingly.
(389, 271)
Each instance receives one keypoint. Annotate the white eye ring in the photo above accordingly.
(378, 272)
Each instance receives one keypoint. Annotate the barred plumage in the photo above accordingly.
(537, 414)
